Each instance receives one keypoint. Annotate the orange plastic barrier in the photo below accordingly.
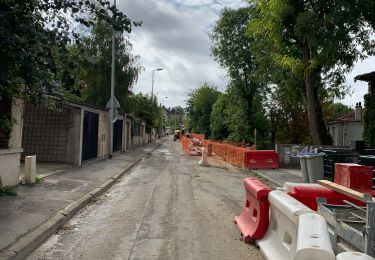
(184, 143)
(253, 221)
(238, 156)
(261, 159)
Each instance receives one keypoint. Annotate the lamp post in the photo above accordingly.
(152, 87)
(111, 109)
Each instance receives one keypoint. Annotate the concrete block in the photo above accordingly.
(203, 160)
(30, 169)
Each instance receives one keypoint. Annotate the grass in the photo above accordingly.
(7, 191)
(38, 179)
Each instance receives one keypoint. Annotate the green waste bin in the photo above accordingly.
(336, 156)
(368, 160)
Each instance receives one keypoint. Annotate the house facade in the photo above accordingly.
(347, 128)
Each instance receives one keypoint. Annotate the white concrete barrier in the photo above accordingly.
(280, 240)
(289, 186)
(203, 160)
(353, 256)
(30, 169)
(313, 240)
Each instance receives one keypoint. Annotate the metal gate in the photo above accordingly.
(90, 136)
(117, 135)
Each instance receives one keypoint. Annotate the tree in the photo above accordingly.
(326, 34)
(231, 47)
(91, 70)
(175, 116)
(333, 110)
(219, 118)
(32, 33)
(147, 108)
(199, 107)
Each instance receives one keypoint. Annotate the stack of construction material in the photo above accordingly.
(285, 224)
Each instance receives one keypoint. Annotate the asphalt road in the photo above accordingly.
(168, 207)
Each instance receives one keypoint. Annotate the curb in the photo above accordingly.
(31, 240)
(275, 183)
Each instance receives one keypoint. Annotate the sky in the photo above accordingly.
(174, 36)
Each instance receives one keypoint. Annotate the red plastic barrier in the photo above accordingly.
(253, 221)
(261, 159)
(308, 195)
(354, 176)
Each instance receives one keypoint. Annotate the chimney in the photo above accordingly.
(358, 111)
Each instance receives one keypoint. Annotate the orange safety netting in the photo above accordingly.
(230, 153)
(184, 143)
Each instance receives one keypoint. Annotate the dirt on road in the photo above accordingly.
(168, 207)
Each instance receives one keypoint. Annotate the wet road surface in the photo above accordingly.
(168, 207)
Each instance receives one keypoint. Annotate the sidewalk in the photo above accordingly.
(280, 176)
(58, 197)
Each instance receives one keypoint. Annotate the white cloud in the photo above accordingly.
(174, 36)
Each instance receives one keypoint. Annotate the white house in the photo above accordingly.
(347, 128)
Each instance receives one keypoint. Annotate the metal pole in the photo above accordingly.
(111, 110)
(152, 85)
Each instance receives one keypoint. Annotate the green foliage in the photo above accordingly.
(6, 190)
(369, 120)
(38, 179)
(230, 45)
(199, 107)
(326, 34)
(237, 114)
(229, 123)
(6, 125)
(33, 33)
(91, 68)
(219, 118)
(147, 108)
(174, 117)
(334, 110)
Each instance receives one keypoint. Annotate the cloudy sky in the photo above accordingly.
(174, 36)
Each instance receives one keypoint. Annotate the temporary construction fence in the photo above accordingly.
(184, 143)
(244, 157)
(230, 153)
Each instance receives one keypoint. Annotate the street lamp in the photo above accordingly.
(152, 88)
(111, 103)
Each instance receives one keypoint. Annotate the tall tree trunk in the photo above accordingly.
(317, 125)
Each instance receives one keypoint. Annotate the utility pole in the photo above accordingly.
(152, 84)
(111, 109)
